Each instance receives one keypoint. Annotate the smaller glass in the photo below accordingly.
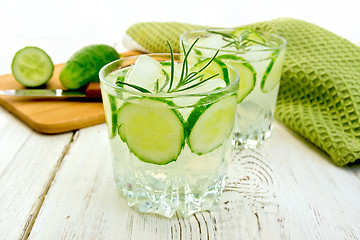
(169, 150)
(259, 58)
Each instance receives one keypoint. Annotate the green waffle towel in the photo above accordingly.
(319, 95)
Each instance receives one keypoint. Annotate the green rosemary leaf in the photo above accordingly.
(226, 35)
(172, 67)
(236, 45)
(119, 82)
(260, 43)
(186, 54)
(198, 83)
(156, 87)
(166, 80)
(185, 60)
(197, 51)
(120, 78)
(212, 59)
(194, 79)
(240, 43)
(190, 75)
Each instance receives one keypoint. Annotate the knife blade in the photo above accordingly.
(92, 91)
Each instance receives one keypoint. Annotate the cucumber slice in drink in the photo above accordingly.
(273, 72)
(250, 34)
(152, 130)
(32, 67)
(246, 71)
(216, 67)
(209, 125)
(111, 114)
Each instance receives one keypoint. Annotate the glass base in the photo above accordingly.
(253, 140)
(167, 203)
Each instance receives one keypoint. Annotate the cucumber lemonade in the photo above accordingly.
(259, 59)
(169, 125)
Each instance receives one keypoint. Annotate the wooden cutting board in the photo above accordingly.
(53, 116)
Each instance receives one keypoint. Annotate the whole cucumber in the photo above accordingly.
(84, 65)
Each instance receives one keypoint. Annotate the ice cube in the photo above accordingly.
(257, 52)
(145, 73)
(214, 41)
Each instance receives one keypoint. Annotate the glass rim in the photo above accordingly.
(102, 78)
(281, 46)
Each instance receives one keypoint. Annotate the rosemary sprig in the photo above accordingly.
(240, 43)
(172, 66)
(187, 77)
(186, 81)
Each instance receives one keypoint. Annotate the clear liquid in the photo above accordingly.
(187, 185)
(255, 114)
(190, 184)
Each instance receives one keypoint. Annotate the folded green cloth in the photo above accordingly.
(319, 94)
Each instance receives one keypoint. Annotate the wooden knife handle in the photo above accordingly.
(93, 90)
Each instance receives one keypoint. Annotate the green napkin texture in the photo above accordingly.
(319, 95)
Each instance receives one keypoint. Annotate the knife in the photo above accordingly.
(92, 91)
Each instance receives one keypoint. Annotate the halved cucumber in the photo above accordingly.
(152, 130)
(32, 67)
(273, 72)
(216, 67)
(246, 71)
(209, 125)
(249, 33)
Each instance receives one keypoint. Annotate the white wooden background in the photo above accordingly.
(61, 187)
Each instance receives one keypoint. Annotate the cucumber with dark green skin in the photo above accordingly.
(84, 65)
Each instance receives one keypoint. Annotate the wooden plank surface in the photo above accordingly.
(53, 116)
(287, 189)
(28, 163)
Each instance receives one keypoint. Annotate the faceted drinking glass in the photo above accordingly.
(259, 58)
(169, 150)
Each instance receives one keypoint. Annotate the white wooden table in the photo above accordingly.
(61, 186)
